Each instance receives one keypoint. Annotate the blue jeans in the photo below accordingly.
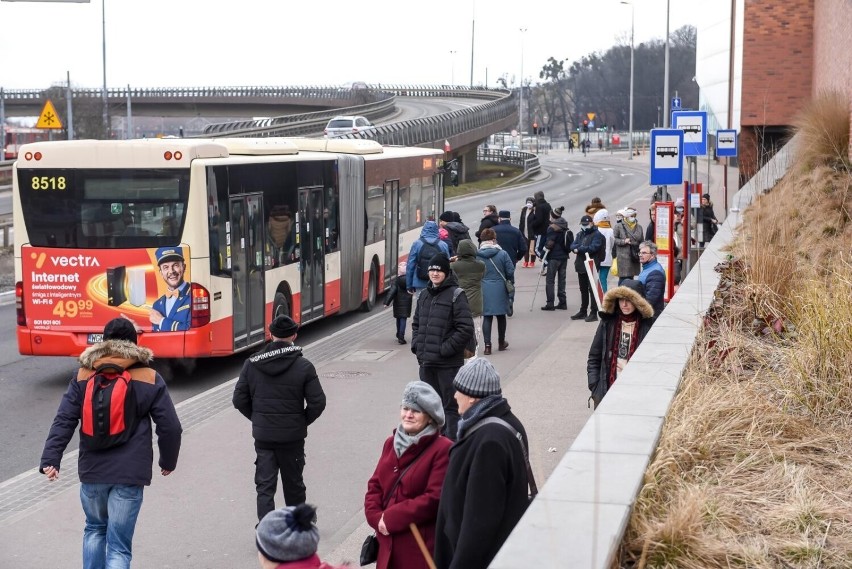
(603, 274)
(111, 511)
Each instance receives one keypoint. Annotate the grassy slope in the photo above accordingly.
(753, 468)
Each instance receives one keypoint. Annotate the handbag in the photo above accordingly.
(370, 547)
(613, 270)
(510, 286)
(369, 550)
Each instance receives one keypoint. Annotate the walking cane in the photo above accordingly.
(420, 543)
(535, 292)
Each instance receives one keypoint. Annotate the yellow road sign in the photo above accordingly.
(48, 117)
(591, 116)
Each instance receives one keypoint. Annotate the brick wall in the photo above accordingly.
(832, 53)
(777, 74)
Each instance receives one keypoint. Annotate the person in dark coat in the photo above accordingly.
(451, 221)
(708, 219)
(406, 485)
(525, 227)
(588, 240)
(401, 299)
(540, 222)
(509, 237)
(280, 392)
(486, 488)
(441, 329)
(557, 256)
(489, 219)
(652, 277)
(112, 479)
(496, 300)
(625, 320)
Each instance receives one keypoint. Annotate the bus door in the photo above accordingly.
(247, 280)
(311, 231)
(391, 230)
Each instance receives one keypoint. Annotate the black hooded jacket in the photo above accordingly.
(280, 392)
(442, 325)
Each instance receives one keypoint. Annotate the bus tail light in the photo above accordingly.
(19, 303)
(200, 306)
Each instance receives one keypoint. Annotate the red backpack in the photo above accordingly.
(109, 414)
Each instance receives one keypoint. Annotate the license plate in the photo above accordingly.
(95, 338)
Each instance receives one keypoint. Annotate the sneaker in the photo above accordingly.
(579, 316)
(548, 307)
(526, 265)
(592, 317)
(401, 340)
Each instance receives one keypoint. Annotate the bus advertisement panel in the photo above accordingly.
(202, 242)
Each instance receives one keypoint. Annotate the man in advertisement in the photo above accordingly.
(171, 312)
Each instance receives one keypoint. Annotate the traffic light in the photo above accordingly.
(585, 126)
(535, 128)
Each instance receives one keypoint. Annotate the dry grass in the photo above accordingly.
(753, 468)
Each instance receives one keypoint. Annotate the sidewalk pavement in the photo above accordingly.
(203, 514)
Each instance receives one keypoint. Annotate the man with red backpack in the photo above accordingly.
(114, 396)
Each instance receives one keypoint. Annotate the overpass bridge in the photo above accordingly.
(304, 111)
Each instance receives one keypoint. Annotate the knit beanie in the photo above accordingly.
(556, 213)
(288, 534)
(283, 327)
(440, 262)
(421, 396)
(478, 378)
(120, 329)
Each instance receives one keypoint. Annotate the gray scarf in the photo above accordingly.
(477, 410)
(402, 440)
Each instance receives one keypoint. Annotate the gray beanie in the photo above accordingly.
(288, 534)
(421, 396)
(478, 378)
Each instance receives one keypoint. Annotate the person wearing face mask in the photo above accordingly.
(628, 234)
(525, 225)
(588, 240)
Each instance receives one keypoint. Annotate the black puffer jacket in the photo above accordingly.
(442, 325)
(280, 392)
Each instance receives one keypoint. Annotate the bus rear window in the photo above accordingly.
(97, 209)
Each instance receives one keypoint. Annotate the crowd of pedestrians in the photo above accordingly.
(453, 478)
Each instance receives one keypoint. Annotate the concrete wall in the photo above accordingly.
(832, 56)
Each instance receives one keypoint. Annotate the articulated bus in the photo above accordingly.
(201, 242)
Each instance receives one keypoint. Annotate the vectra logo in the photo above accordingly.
(63, 261)
(39, 257)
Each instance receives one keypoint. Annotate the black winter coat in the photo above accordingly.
(525, 225)
(592, 242)
(554, 240)
(540, 218)
(484, 495)
(442, 326)
(487, 221)
(511, 240)
(398, 295)
(280, 392)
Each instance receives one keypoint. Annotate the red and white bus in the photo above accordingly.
(306, 227)
(17, 136)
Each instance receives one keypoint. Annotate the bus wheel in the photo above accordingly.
(280, 306)
(373, 284)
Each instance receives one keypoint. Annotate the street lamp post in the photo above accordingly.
(521, 103)
(632, 21)
(453, 72)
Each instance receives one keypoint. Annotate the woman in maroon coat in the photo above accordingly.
(406, 486)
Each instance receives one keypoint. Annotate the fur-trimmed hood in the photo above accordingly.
(117, 351)
(610, 301)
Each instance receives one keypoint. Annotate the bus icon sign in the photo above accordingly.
(666, 157)
(693, 124)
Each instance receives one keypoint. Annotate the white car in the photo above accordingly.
(341, 125)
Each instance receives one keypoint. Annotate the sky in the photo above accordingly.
(185, 43)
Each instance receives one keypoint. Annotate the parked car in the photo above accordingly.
(341, 125)
(508, 149)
